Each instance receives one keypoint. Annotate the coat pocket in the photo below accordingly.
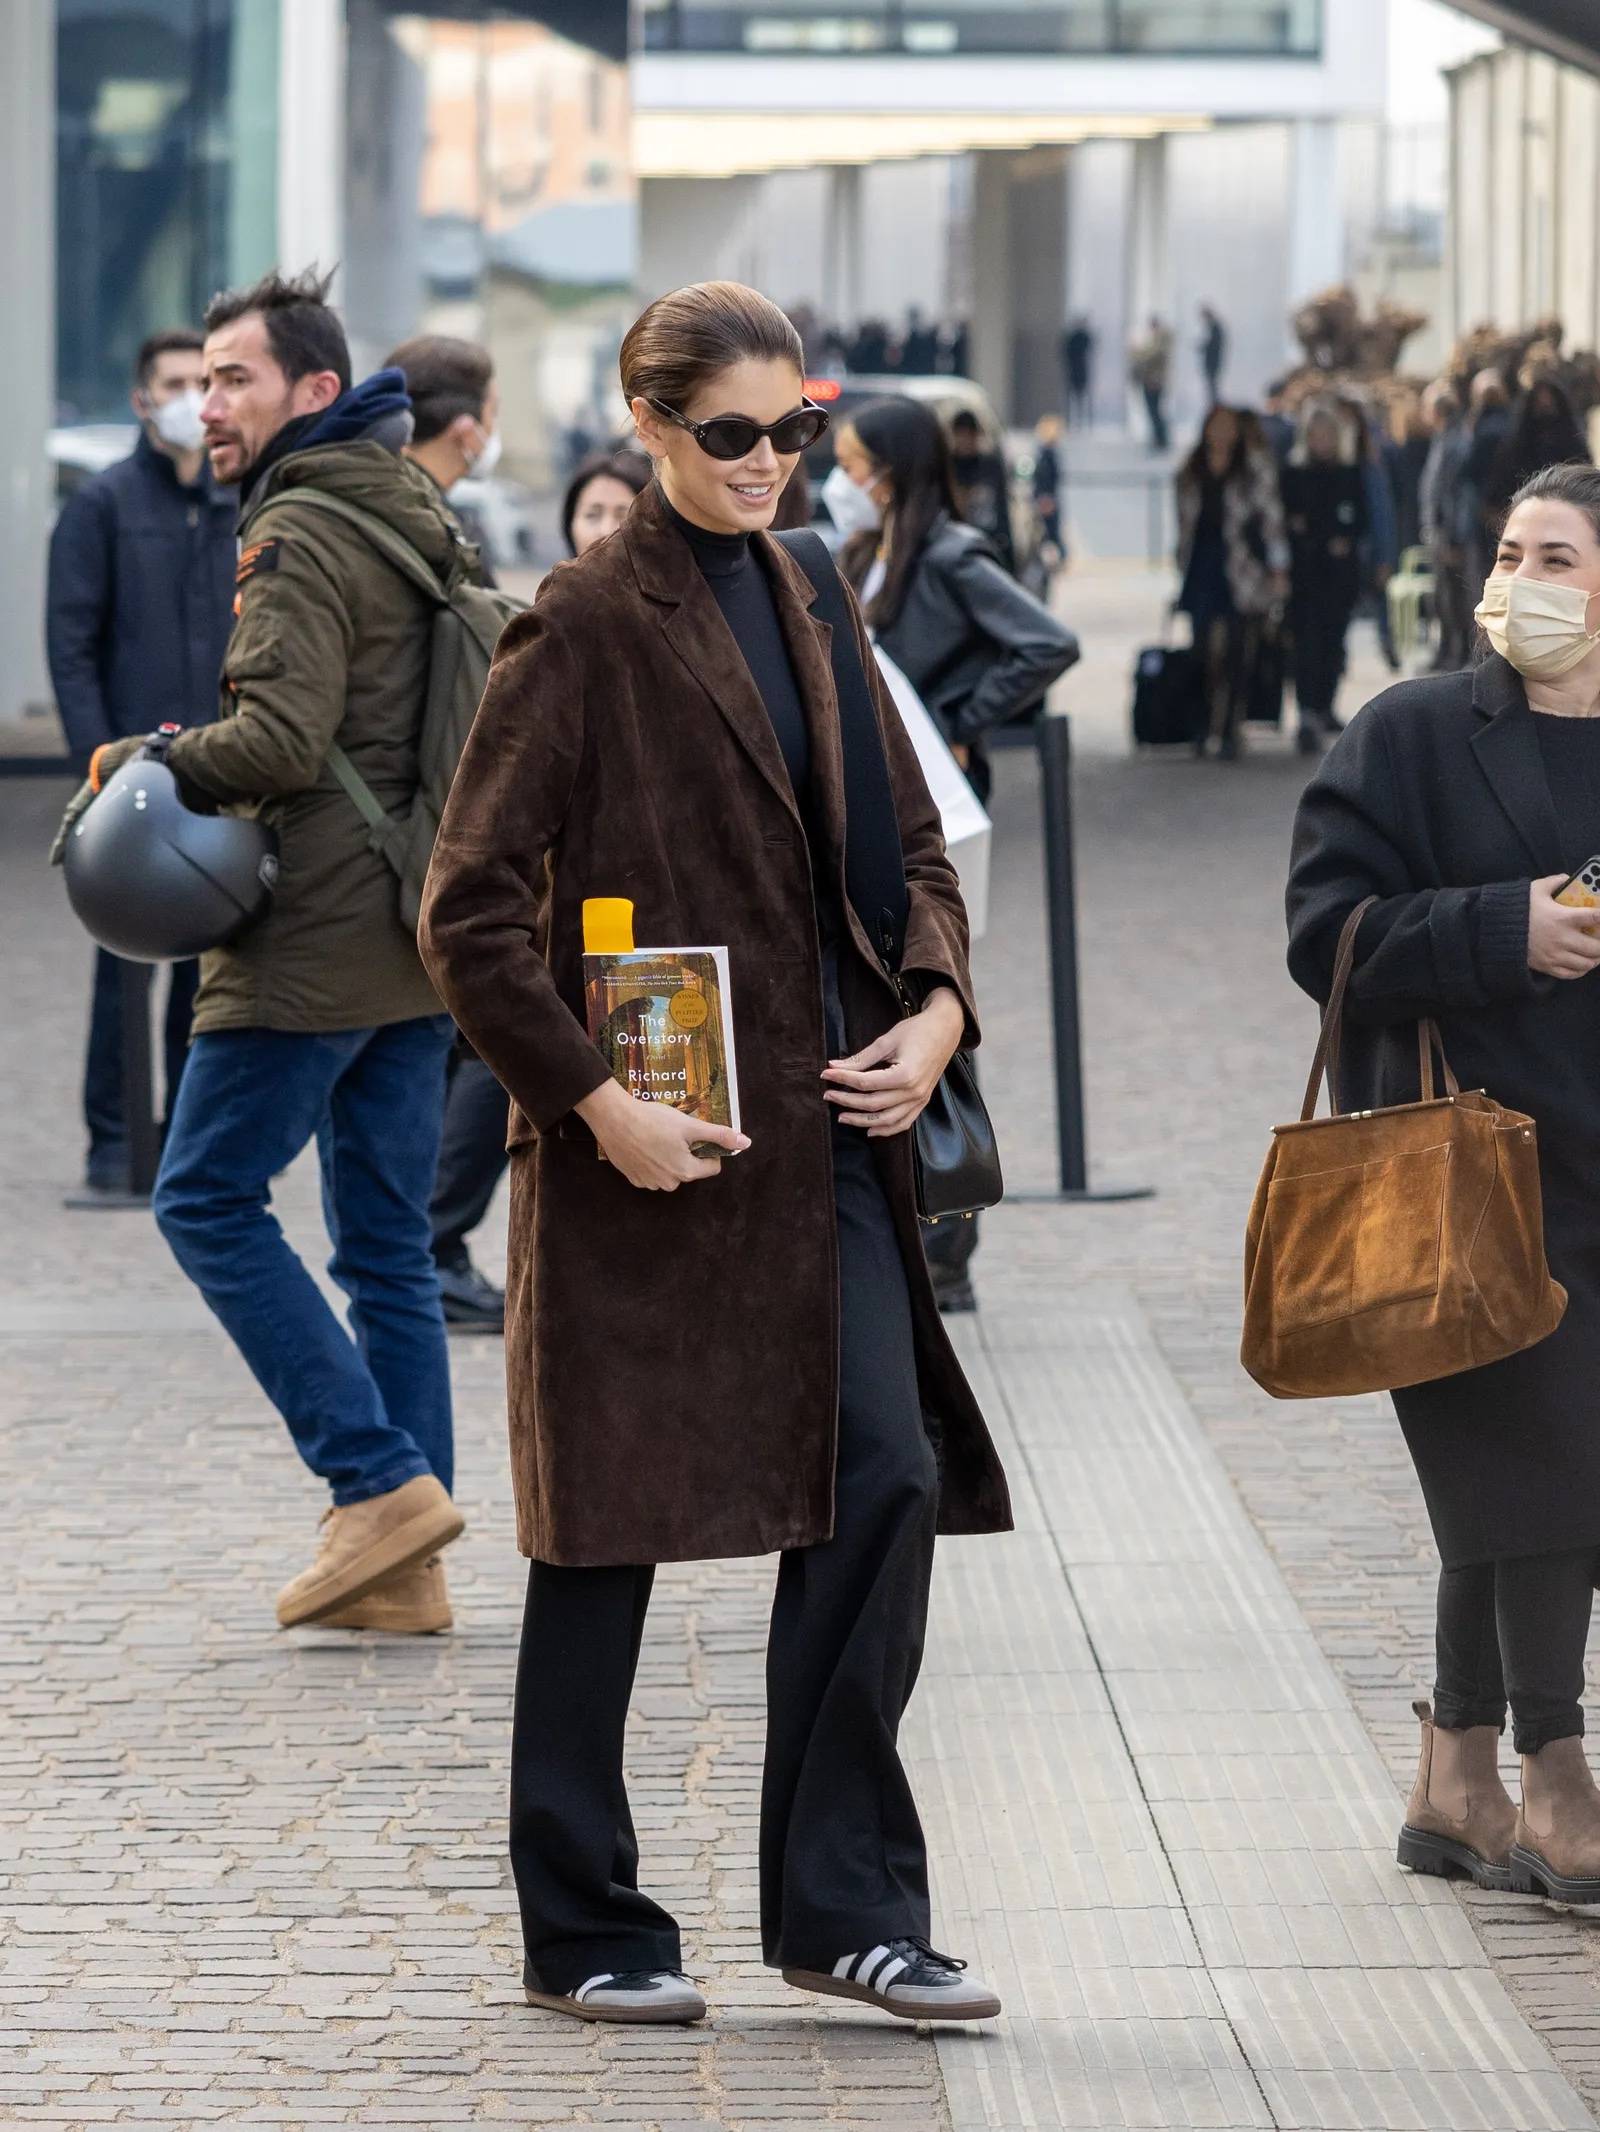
(1350, 1240)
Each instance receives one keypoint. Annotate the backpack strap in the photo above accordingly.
(377, 532)
(383, 828)
(874, 861)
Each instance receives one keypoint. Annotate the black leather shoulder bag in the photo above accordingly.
(954, 1154)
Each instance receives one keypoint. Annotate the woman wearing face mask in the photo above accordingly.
(600, 495)
(977, 648)
(1463, 802)
(726, 1353)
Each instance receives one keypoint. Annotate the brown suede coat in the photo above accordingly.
(672, 1357)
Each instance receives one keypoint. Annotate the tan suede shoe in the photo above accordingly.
(1459, 1818)
(363, 1543)
(1557, 1851)
(413, 1602)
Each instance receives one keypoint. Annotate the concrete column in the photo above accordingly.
(311, 74)
(1149, 280)
(1316, 208)
(27, 343)
(993, 336)
(843, 294)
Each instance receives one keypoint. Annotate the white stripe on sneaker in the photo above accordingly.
(878, 1959)
(887, 1974)
(593, 1984)
(843, 1967)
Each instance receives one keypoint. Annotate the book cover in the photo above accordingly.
(663, 1019)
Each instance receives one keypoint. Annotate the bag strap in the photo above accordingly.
(1326, 1059)
(874, 860)
(382, 828)
(377, 532)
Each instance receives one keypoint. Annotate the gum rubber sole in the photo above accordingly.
(1422, 1852)
(1531, 1876)
(980, 2007)
(624, 2017)
(408, 1544)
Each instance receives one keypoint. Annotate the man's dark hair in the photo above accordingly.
(172, 340)
(303, 330)
(965, 423)
(446, 379)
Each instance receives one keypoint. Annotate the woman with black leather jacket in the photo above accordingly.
(977, 648)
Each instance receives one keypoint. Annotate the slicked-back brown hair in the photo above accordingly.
(685, 339)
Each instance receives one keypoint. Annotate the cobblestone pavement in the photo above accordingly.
(1196, 1043)
(254, 1878)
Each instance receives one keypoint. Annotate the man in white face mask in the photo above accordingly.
(138, 615)
(455, 411)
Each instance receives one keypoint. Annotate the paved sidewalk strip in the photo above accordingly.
(1175, 1840)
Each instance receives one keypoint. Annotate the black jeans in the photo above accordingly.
(1155, 397)
(1515, 1630)
(1320, 621)
(842, 1859)
(102, 1065)
(472, 1156)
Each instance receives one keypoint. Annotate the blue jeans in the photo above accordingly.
(366, 1413)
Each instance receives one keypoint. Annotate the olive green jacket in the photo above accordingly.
(330, 644)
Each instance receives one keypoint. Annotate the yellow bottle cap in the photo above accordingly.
(607, 925)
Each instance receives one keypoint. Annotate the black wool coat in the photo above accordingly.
(672, 1358)
(1436, 801)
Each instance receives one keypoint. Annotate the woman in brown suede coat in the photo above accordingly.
(712, 1357)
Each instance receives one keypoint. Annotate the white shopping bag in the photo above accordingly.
(966, 826)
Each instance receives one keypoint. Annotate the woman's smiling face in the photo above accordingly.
(1548, 539)
(726, 495)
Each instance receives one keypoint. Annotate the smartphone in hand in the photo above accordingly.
(1582, 892)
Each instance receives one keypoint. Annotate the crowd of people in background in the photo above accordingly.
(917, 347)
(1294, 518)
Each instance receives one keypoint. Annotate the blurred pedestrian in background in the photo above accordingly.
(1489, 420)
(1444, 528)
(1077, 366)
(455, 412)
(1233, 563)
(472, 1144)
(320, 1022)
(1380, 547)
(1325, 507)
(1150, 366)
(1407, 441)
(1542, 431)
(977, 648)
(1049, 518)
(982, 484)
(919, 351)
(600, 495)
(139, 607)
(1277, 424)
(1213, 352)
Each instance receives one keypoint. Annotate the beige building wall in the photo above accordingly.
(1524, 195)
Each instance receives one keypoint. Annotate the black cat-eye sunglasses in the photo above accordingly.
(735, 436)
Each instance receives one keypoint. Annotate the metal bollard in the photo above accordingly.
(1055, 782)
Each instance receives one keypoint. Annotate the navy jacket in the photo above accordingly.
(140, 601)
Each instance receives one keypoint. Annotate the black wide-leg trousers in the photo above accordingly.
(843, 1863)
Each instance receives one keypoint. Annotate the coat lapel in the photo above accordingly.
(1507, 747)
(692, 624)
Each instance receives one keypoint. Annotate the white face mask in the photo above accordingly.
(1541, 628)
(849, 506)
(177, 421)
(487, 458)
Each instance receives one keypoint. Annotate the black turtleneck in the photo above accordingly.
(738, 582)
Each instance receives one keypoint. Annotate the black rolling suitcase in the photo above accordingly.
(1269, 673)
(1169, 697)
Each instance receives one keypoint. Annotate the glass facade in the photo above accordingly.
(166, 148)
(1090, 28)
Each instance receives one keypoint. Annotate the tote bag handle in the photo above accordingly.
(1326, 1060)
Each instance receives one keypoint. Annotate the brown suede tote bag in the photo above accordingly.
(1390, 1247)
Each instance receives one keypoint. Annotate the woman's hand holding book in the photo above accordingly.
(653, 1144)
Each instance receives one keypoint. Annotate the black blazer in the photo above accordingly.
(975, 646)
(1436, 801)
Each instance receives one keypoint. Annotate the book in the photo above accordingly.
(663, 1020)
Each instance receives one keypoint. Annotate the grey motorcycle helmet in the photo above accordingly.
(153, 881)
